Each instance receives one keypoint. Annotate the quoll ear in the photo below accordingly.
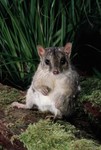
(67, 49)
(41, 50)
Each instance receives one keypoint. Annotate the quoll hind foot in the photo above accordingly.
(50, 117)
(53, 118)
(18, 105)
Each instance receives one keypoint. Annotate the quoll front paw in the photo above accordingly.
(45, 90)
(15, 104)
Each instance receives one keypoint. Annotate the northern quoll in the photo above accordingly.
(55, 84)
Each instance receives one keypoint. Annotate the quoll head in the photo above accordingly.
(55, 59)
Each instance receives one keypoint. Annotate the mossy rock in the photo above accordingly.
(46, 135)
(84, 144)
(9, 94)
(91, 91)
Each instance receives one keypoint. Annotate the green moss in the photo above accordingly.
(83, 144)
(46, 135)
(91, 91)
(8, 95)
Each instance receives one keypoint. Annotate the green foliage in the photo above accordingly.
(9, 95)
(91, 91)
(84, 144)
(46, 135)
(25, 24)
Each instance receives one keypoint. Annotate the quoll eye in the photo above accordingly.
(63, 61)
(47, 62)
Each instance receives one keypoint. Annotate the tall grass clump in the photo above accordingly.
(25, 24)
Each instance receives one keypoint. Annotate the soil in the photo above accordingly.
(13, 121)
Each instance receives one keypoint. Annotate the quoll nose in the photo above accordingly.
(55, 72)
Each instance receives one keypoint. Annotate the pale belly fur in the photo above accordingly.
(44, 103)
